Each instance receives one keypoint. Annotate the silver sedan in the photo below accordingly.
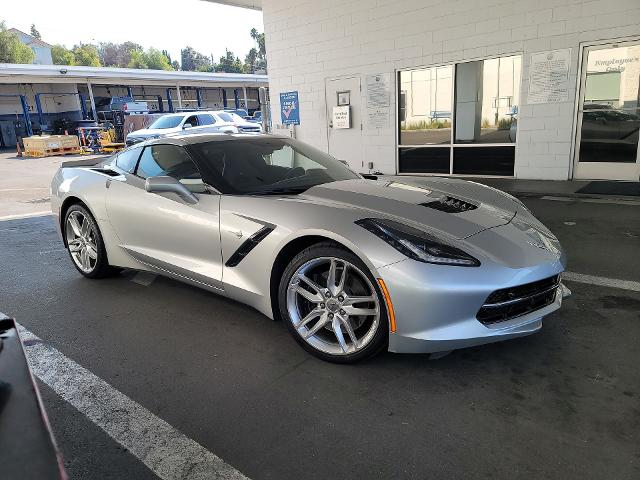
(351, 265)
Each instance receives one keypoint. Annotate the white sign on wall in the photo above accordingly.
(342, 117)
(549, 76)
(378, 100)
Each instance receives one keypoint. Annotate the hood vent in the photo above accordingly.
(450, 205)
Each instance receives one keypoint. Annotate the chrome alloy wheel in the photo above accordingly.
(81, 240)
(333, 306)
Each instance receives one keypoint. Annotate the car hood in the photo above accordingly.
(453, 207)
(152, 132)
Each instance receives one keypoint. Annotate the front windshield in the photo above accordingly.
(266, 165)
(166, 122)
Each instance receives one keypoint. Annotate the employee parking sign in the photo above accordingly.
(289, 108)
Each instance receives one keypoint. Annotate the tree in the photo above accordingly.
(229, 63)
(87, 55)
(34, 31)
(138, 60)
(12, 50)
(117, 54)
(250, 61)
(193, 61)
(157, 60)
(62, 55)
(260, 63)
(176, 65)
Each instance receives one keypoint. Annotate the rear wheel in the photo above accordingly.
(85, 244)
(332, 305)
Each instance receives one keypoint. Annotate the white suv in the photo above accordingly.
(191, 122)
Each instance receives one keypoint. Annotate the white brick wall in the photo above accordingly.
(309, 41)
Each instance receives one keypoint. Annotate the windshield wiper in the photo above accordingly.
(280, 191)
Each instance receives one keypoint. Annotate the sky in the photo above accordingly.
(163, 24)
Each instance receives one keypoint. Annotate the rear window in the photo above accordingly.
(225, 117)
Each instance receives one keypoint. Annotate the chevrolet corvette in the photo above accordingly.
(351, 265)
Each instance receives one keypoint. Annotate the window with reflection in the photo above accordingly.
(425, 106)
(435, 131)
(610, 109)
(487, 99)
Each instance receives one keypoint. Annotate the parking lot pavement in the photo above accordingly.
(24, 183)
(564, 403)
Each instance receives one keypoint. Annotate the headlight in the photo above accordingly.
(417, 244)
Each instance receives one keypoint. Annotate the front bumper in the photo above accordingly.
(436, 305)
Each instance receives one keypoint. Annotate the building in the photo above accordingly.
(539, 89)
(36, 96)
(40, 48)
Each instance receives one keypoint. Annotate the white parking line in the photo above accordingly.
(602, 281)
(26, 215)
(166, 451)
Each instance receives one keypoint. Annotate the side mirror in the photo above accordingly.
(164, 183)
(186, 125)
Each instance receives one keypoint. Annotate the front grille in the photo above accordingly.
(508, 303)
(450, 205)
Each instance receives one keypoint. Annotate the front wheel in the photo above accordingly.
(85, 244)
(332, 305)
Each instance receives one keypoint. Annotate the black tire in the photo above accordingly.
(102, 268)
(333, 249)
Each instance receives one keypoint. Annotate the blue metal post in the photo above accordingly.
(224, 97)
(130, 92)
(160, 104)
(83, 106)
(199, 97)
(236, 98)
(169, 101)
(39, 110)
(27, 117)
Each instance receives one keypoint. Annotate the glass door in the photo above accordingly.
(609, 113)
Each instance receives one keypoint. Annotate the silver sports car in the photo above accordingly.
(352, 265)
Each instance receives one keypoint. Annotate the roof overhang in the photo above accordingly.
(252, 4)
(28, 73)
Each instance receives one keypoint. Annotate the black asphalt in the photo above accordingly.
(561, 404)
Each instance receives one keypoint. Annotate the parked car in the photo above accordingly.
(244, 126)
(106, 105)
(200, 122)
(352, 265)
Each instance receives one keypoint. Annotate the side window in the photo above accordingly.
(205, 119)
(127, 159)
(173, 161)
(192, 120)
(282, 157)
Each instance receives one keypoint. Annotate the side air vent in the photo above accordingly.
(450, 205)
(106, 171)
(248, 245)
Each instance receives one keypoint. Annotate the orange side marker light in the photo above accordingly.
(387, 299)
